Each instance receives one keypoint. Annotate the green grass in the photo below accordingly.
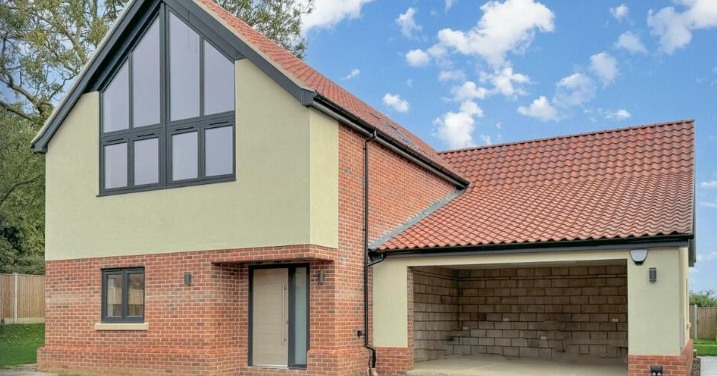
(705, 347)
(19, 343)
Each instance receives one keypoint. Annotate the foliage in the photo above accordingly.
(19, 343)
(705, 298)
(44, 45)
(705, 347)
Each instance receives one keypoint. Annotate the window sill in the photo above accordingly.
(122, 326)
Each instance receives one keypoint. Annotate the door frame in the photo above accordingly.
(292, 283)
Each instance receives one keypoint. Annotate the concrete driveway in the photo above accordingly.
(24, 370)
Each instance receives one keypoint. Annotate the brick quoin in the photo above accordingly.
(202, 329)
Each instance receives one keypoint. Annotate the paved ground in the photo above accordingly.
(24, 370)
(493, 365)
(708, 365)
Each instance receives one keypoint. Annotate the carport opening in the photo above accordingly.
(557, 312)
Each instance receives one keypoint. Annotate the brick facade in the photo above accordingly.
(680, 365)
(203, 328)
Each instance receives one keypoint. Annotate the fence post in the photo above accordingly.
(695, 321)
(14, 299)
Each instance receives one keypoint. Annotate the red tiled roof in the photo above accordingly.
(615, 184)
(303, 73)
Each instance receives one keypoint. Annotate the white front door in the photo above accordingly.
(270, 317)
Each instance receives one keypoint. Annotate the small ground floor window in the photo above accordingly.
(123, 295)
(279, 316)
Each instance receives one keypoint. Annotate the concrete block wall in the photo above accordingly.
(557, 313)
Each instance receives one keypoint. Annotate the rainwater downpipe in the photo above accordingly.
(367, 262)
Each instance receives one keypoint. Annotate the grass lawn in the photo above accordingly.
(19, 343)
(705, 347)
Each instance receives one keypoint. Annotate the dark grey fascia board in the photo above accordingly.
(664, 241)
(337, 112)
(109, 47)
(417, 218)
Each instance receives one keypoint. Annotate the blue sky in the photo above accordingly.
(464, 72)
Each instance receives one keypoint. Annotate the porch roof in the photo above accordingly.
(617, 184)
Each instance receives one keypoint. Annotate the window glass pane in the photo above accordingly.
(135, 303)
(218, 81)
(185, 156)
(146, 161)
(115, 166)
(145, 79)
(115, 102)
(300, 315)
(114, 295)
(219, 149)
(183, 70)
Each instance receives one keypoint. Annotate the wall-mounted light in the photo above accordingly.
(187, 278)
(638, 256)
(655, 370)
(653, 275)
(322, 277)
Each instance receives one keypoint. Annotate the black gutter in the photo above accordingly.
(367, 261)
(675, 240)
(337, 112)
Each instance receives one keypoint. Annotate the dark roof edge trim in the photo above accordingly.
(333, 110)
(681, 240)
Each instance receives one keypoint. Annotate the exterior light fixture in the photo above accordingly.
(322, 277)
(187, 278)
(638, 256)
(655, 370)
(653, 275)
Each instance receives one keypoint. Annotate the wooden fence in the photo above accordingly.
(22, 298)
(704, 322)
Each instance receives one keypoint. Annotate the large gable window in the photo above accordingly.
(168, 112)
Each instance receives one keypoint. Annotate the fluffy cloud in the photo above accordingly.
(353, 74)
(449, 3)
(327, 13)
(540, 109)
(417, 58)
(506, 82)
(604, 66)
(674, 28)
(574, 90)
(709, 184)
(620, 114)
(396, 102)
(620, 12)
(630, 42)
(455, 129)
(451, 75)
(486, 139)
(505, 27)
(407, 23)
(468, 91)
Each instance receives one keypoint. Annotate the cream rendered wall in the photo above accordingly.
(653, 309)
(286, 159)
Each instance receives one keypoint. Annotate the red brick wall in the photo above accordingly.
(203, 328)
(680, 365)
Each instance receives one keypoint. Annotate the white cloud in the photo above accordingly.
(574, 90)
(631, 42)
(409, 82)
(327, 13)
(605, 67)
(451, 75)
(417, 58)
(674, 28)
(456, 128)
(620, 12)
(407, 23)
(396, 102)
(449, 3)
(505, 27)
(540, 109)
(468, 91)
(620, 114)
(353, 74)
(709, 184)
(506, 82)
(709, 204)
(486, 139)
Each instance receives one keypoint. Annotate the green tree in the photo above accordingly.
(705, 298)
(44, 44)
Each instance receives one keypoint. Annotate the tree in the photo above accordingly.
(705, 298)
(44, 44)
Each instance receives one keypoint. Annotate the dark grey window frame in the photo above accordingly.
(166, 126)
(292, 286)
(124, 272)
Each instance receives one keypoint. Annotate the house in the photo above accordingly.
(217, 207)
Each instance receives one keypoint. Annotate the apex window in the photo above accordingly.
(168, 112)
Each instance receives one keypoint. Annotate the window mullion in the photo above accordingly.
(125, 294)
(164, 150)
